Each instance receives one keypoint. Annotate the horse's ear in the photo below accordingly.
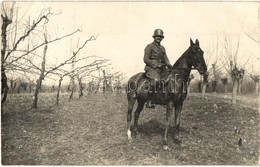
(191, 42)
(197, 42)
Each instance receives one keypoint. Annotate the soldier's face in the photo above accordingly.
(158, 39)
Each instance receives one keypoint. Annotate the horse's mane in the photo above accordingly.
(176, 64)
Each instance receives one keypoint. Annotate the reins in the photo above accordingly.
(181, 68)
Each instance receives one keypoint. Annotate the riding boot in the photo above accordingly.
(150, 103)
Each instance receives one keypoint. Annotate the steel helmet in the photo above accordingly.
(158, 32)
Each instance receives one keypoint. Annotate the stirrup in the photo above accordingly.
(149, 104)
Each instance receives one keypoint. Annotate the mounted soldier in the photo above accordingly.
(155, 59)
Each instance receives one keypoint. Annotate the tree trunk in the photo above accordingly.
(52, 89)
(188, 89)
(239, 86)
(98, 86)
(36, 93)
(41, 78)
(90, 87)
(80, 86)
(214, 82)
(214, 86)
(234, 93)
(200, 86)
(225, 88)
(256, 87)
(19, 88)
(4, 86)
(104, 82)
(30, 88)
(58, 93)
(204, 85)
(72, 83)
(12, 85)
(225, 83)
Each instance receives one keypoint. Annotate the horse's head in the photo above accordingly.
(196, 56)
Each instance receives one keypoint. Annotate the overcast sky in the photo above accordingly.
(125, 28)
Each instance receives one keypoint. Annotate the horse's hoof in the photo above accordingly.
(166, 147)
(129, 139)
(177, 141)
(135, 133)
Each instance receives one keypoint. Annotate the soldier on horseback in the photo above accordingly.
(155, 59)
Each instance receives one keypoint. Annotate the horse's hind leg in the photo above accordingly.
(167, 125)
(131, 103)
(137, 114)
(178, 109)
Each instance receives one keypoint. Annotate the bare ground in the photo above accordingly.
(92, 131)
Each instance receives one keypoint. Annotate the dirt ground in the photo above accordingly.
(92, 131)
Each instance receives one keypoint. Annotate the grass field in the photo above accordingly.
(92, 131)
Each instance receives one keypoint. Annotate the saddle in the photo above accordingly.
(155, 85)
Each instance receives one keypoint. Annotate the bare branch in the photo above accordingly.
(90, 39)
(251, 37)
(51, 41)
(25, 35)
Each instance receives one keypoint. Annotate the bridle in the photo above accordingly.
(187, 68)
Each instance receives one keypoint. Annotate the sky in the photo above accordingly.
(123, 29)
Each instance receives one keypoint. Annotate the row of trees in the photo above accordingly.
(230, 66)
(24, 54)
(227, 68)
(224, 85)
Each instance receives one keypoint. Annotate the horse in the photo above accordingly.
(171, 93)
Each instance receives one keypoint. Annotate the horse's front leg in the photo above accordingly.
(167, 124)
(178, 108)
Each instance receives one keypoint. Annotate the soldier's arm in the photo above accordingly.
(147, 57)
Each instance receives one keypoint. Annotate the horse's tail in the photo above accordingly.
(132, 84)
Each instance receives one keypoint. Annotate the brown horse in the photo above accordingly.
(171, 92)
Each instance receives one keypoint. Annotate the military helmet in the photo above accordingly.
(158, 32)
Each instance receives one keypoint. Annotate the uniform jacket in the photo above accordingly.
(154, 55)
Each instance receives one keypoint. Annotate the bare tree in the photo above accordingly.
(117, 87)
(75, 53)
(237, 75)
(6, 21)
(81, 71)
(204, 84)
(254, 35)
(43, 71)
(72, 77)
(215, 78)
(41, 77)
(86, 71)
(224, 81)
(256, 78)
(13, 56)
(234, 69)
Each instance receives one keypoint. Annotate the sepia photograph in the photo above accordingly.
(130, 83)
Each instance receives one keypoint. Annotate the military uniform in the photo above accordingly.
(155, 57)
